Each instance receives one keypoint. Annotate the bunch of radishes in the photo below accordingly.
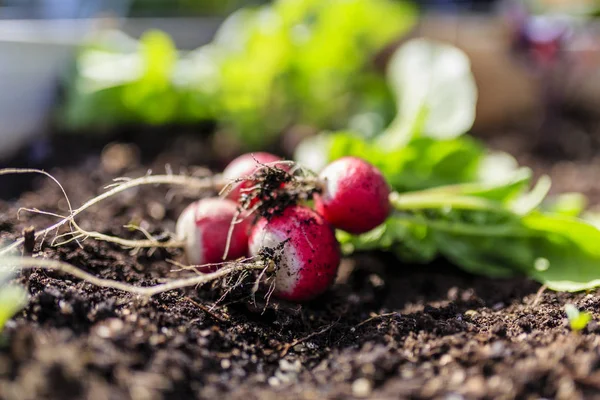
(349, 194)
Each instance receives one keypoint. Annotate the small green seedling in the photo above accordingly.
(578, 320)
(12, 297)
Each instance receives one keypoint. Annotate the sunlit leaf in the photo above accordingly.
(434, 89)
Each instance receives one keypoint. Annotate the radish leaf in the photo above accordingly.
(435, 92)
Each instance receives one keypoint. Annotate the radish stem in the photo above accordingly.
(423, 200)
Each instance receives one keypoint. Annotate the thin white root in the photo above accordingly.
(77, 233)
(182, 267)
(208, 183)
(234, 222)
(227, 269)
(228, 186)
(150, 242)
(41, 212)
(12, 171)
(126, 243)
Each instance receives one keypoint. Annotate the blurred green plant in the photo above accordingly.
(563, 7)
(578, 320)
(291, 62)
(12, 298)
(186, 8)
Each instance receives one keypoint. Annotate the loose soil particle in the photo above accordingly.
(386, 330)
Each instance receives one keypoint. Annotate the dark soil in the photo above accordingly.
(385, 331)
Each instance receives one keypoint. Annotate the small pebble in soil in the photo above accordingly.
(117, 157)
(156, 210)
(495, 350)
(445, 359)
(108, 328)
(287, 366)
(65, 308)
(361, 387)
(273, 381)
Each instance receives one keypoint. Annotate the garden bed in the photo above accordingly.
(386, 329)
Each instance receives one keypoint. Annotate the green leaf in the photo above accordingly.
(12, 299)
(571, 249)
(504, 191)
(532, 200)
(158, 56)
(558, 251)
(435, 92)
(497, 166)
(421, 164)
(577, 320)
(152, 96)
(479, 231)
(478, 252)
(579, 323)
(410, 242)
(567, 204)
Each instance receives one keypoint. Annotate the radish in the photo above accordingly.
(204, 227)
(310, 253)
(355, 195)
(244, 166)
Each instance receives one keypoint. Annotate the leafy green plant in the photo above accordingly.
(577, 320)
(290, 62)
(487, 237)
(453, 198)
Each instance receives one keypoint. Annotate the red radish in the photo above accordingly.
(355, 195)
(243, 166)
(310, 254)
(204, 226)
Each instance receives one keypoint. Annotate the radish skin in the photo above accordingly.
(204, 227)
(310, 255)
(244, 166)
(355, 195)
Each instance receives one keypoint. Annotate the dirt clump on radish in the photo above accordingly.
(241, 170)
(269, 188)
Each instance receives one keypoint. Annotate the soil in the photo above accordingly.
(385, 331)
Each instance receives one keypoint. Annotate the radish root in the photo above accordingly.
(227, 270)
(149, 242)
(206, 183)
(274, 190)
